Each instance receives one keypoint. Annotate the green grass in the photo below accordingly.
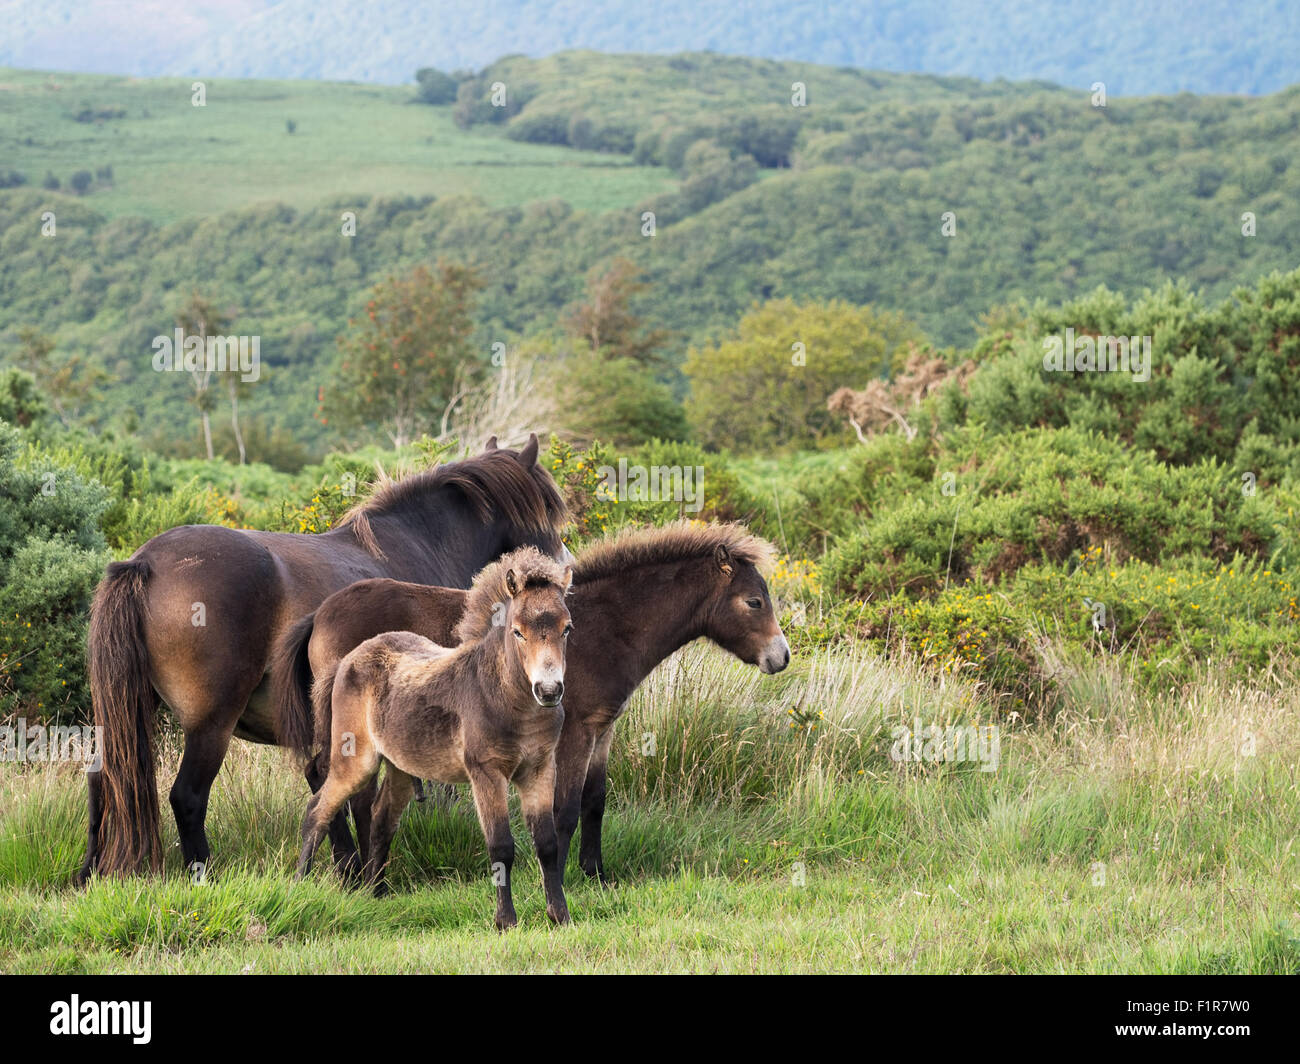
(173, 160)
(1125, 834)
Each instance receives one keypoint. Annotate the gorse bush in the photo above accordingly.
(52, 552)
(1223, 380)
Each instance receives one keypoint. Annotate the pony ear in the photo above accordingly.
(568, 578)
(512, 583)
(723, 557)
(528, 456)
(491, 444)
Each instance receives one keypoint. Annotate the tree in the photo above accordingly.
(435, 87)
(81, 181)
(604, 320)
(765, 388)
(70, 384)
(618, 401)
(200, 317)
(406, 365)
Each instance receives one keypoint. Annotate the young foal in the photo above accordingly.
(487, 712)
(636, 598)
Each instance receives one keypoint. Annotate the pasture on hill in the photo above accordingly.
(172, 160)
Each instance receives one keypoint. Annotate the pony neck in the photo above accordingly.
(496, 671)
(414, 540)
(669, 623)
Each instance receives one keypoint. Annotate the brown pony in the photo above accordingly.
(190, 618)
(636, 598)
(487, 712)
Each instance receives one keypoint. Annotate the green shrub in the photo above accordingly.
(52, 552)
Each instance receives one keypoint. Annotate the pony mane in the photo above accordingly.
(494, 484)
(680, 541)
(532, 569)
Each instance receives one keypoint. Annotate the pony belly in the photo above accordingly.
(425, 755)
(257, 723)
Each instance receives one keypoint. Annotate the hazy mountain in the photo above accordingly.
(1134, 46)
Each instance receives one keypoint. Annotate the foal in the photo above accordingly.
(487, 712)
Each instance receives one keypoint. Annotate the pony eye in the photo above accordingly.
(754, 603)
(567, 629)
(518, 634)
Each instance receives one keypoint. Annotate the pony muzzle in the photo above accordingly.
(775, 656)
(548, 692)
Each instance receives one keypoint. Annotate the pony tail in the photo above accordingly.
(125, 709)
(291, 684)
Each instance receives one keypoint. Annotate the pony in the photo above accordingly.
(191, 617)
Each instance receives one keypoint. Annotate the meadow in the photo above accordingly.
(172, 160)
(769, 831)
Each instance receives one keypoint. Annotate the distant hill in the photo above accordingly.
(1134, 46)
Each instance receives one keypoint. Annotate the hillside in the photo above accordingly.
(754, 200)
(1153, 46)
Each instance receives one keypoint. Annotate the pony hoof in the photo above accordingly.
(559, 918)
(505, 921)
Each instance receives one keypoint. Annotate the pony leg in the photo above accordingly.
(572, 755)
(205, 749)
(347, 861)
(537, 796)
(490, 801)
(95, 807)
(361, 805)
(324, 805)
(394, 795)
(590, 858)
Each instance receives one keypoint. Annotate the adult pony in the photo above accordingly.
(636, 598)
(191, 617)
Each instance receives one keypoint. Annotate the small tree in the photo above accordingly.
(765, 388)
(604, 320)
(435, 87)
(406, 365)
(70, 384)
(200, 317)
(81, 181)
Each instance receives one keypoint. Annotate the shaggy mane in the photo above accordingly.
(494, 483)
(532, 568)
(676, 542)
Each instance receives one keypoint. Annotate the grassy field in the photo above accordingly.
(173, 160)
(1126, 834)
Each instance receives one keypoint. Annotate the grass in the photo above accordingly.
(1127, 833)
(173, 160)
